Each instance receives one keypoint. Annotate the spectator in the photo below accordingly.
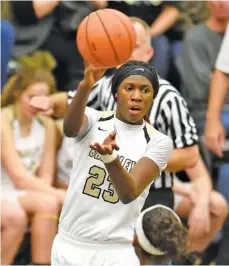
(198, 58)
(28, 158)
(161, 16)
(7, 42)
(13, 226)
(214, 131)
(196, 63)
(43, 25)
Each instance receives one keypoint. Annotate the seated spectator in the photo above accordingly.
(13, 226)
(28, 145)
(7, 42)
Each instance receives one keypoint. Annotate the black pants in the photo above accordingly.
(162, 196)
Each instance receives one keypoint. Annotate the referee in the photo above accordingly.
(169, 114)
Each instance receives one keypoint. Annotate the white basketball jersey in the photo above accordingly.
(92, 210)
(29, 149)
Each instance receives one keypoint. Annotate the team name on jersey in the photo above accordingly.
(127, 163)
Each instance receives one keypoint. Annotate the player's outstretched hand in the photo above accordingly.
(91, 75)
(42, 104)
(107, 146)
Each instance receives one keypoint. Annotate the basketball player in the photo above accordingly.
(169, 114)
(97, 220)
(160, 236)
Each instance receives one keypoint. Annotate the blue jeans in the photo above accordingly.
(164, 52)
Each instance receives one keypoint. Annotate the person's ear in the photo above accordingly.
(150, 53)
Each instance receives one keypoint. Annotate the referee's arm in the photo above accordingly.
(184, 135)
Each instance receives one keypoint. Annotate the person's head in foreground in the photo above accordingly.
(29, 82)
(160, 235)
(134, 87)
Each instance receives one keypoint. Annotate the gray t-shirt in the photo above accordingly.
(197, 61)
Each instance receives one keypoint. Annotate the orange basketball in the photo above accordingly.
(106, 38)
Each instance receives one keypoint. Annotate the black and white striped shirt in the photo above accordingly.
(169, 114)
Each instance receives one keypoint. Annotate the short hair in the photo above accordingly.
(145, 26)
(155, 82)
(165, 232)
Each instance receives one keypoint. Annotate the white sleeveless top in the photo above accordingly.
(29, 148)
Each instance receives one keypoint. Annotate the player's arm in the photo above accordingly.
(130, 185)
(184, 134)
(75, 117)
(11, 162)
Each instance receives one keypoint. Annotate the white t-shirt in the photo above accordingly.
(222, 62)
(92, 210)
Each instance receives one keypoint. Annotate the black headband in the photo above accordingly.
(129, 71)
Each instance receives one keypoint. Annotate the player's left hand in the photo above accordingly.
(108, 145)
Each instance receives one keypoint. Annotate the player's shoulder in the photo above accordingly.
(106, 116)
(154, 136)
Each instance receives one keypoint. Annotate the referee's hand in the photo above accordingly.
(214, 136)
